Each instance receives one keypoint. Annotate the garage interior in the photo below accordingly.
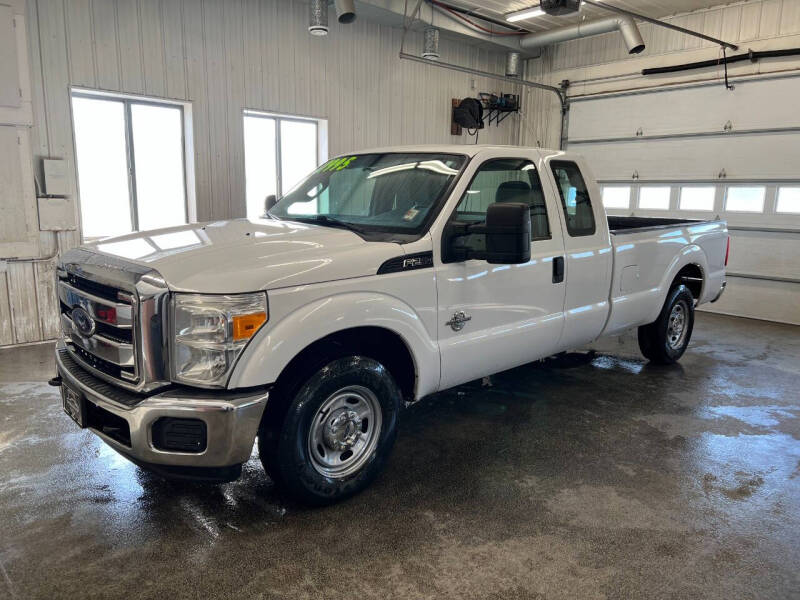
(592, 474)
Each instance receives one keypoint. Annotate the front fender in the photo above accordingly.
(277, 343)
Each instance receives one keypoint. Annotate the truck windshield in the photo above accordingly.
(393, 192)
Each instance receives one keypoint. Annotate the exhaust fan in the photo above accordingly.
(559, 8)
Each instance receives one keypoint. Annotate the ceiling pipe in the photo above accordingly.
(345, 10)
(622, 23)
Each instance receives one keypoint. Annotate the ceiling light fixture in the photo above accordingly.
(526, 13)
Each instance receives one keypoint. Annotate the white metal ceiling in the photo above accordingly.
(651, 8)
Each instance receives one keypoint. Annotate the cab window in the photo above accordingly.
(505, 180)
(574, 198)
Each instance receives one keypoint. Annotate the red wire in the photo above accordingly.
(475, 25)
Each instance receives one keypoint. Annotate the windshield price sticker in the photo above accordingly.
(337, 164)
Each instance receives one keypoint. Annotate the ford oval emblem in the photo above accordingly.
(83, 321)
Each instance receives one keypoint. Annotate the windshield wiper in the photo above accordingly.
(330, 222)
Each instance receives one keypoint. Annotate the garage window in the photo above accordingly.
(698, 197)
(279, 151)
(788, 200)
(654, 197)
(616, 196)
(742, 198)
(130, 157)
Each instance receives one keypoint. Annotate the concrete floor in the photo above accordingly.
(585, 477)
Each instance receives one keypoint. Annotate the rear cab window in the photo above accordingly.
(575, 200)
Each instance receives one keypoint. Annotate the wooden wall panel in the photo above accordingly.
(22, 298)
(6, 326)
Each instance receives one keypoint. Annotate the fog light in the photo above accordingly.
(180, 435)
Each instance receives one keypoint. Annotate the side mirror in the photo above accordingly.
(269, 202)
(508, 235)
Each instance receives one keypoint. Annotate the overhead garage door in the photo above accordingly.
(701, 151)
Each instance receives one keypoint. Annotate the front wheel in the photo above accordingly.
(338, 432)
(665, 340)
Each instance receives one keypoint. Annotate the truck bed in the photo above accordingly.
(646, 252)
(622, 225)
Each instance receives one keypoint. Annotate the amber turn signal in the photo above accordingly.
(244, 326)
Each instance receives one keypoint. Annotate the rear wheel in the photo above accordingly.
(338, 431)
(665, 340)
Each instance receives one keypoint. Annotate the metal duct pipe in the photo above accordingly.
(622, 23)
(345, 10)
(430, 48)
(512, 64)
(318, 17)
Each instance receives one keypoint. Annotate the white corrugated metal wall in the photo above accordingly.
(225, 56)
(672, 129)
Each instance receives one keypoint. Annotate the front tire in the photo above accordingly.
(337, 433)
(665, 340)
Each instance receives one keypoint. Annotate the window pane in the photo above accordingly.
(298, 158)
(504, 180)
(259, 163)
(788, 200)
(654, 197)
(745, 199)
(616, 196)
(574, 198)
(102, 166)
(698, 197)
(158, 162)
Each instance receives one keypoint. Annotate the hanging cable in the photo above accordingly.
(728, 86)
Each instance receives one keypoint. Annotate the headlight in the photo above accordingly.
(209, 333)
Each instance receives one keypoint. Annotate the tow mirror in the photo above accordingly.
(508, 235)
(269, 202)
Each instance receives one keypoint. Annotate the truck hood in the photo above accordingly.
(244, 255)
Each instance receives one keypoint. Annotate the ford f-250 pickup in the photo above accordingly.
(383, 277)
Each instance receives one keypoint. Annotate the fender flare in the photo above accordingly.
(277, 343)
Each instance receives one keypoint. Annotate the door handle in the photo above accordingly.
(558, 269)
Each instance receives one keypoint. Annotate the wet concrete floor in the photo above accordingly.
(591, 476)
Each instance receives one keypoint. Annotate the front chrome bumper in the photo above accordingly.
(231, 418)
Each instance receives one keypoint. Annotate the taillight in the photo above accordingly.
(728, 251)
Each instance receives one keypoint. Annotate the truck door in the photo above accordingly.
(495, 317)
(588, 252)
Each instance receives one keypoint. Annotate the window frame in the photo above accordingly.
(321, 125)
(580, 232)
(127, 101)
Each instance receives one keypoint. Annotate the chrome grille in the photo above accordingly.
(124, 304)
(111, 347)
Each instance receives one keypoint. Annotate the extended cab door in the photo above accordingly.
(588, 250)
(494, 317)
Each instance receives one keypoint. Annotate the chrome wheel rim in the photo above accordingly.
(344, 431)
(677, 325)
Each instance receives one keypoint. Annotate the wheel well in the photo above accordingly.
(692, 277)
(378, 343)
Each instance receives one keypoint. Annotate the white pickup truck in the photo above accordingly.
(383, 277)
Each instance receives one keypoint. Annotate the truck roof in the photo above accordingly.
(468, 149)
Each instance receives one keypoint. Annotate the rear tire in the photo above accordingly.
(338, 431)
(665, 340)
